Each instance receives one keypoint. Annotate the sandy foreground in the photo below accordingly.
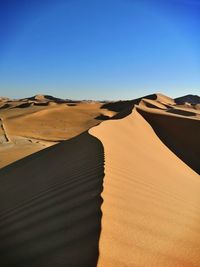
(124, 193)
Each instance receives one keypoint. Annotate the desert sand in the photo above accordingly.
(126, 192)
(150, 197)
(35, 123)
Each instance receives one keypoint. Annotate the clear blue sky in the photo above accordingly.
(99, 49)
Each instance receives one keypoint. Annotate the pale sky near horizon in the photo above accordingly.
(99, 49)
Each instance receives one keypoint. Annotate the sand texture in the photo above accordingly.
(151, 197)
(124, 193)
(38, 122)
(50, 206)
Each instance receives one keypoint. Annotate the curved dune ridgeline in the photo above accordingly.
(124, 108)
(179, 134)
(36, 123)
(50, 206)
(66, 207)
(151, 199)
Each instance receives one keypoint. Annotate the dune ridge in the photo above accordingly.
(124, 193)
(179, 134)
(193, 99)
(50, 206)
(150, 199)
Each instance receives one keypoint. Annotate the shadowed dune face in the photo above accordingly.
(124, 108)
(102, 117)
(181, 135)
(50, 206)
(23, 105)
(4, 106)
(41, 103)
(47, 98)
(152, 104)
(193, 99)
(181, 112)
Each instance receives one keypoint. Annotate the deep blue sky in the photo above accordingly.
(99, 49)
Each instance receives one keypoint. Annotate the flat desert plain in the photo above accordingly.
(87, 183)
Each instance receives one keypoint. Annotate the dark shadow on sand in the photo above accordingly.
(181, 112)
(5, 106)
(180, 135)
(102, 117)
(50, 206)
(124, 108)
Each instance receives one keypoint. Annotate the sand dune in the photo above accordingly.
(165, 99)
(48, 124)
(192, 99)
(4, 99)
(48, 99)
(42, 120)
(182, 112)
(150, 199)
(124, 108)
(50, 206)
(124, 193)
(38, 118)
(151, 104)
(179, 133)
(3, 106)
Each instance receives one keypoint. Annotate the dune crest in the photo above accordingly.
(50, 206)
(141, 162)
(192, 99)
(180, 133)
(150, 199)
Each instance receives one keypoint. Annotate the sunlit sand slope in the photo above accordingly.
(180, 133)
(151, 214)
(50, 206)
(41, 121)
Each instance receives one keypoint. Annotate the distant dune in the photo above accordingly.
(46, 98)
(179, 133)
(40, 121)
(192, 99)
(126, 192)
